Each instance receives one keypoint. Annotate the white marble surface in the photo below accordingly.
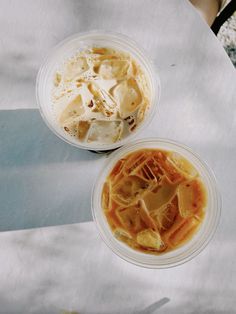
(49, 270)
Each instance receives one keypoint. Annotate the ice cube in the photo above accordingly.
(105, 131)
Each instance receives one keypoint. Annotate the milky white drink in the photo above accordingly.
(100, 95)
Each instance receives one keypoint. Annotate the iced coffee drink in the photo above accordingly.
(100, 95)
(154, 200)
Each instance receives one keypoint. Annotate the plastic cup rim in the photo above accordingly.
(171, 262)
(149, 68)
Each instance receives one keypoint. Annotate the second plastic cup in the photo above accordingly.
(188, 250)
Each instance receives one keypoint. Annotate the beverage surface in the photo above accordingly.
(154, 200)
(100, 95)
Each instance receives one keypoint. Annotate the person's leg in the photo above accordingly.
(208, 9)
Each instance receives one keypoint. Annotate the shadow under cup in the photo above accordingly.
(69, 48)
(188, 250)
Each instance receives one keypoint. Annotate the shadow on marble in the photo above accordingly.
(25, 139)
(44, 181)
(152, 309)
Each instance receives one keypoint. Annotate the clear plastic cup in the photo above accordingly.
(69, 48)
(180, 255)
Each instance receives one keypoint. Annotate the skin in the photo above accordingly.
(208, 9)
